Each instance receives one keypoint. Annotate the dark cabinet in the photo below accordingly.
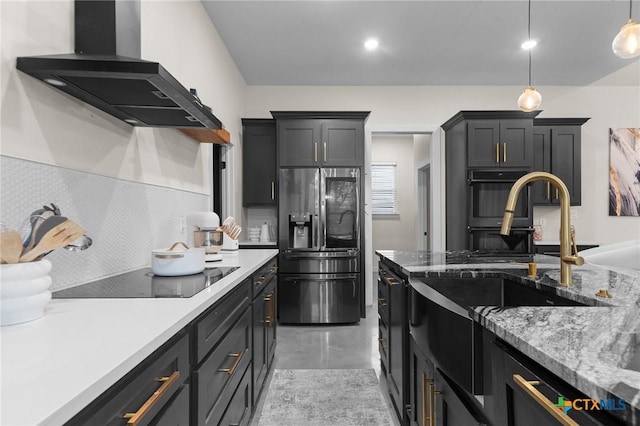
(484, 142)
(320, 139)
(500, 143)
(155, 392)
(394, 334)
(557, 150)
(527, 394)
(259, 162)
(435, 399)
(264, 324)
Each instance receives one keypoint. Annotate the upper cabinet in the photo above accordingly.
(259, 162)
(500, 143)
(557, 151)
(320, 139)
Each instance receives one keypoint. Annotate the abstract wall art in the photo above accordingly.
(624, 172)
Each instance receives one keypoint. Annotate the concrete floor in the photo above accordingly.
(328, 346)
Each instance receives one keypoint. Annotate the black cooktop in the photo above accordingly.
(142, 283)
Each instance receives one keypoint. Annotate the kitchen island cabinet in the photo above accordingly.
(394, 336)
(105, 343)
(563, 345)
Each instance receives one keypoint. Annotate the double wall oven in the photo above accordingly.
(488, 193)
(319, 240)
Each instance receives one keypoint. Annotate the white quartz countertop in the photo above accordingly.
(54, 366)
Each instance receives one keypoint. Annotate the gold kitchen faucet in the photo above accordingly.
(568, 250)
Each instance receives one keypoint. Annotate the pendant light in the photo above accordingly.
(627, 43)
(530, 99)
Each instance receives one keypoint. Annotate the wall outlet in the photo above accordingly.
(543, 221)
(573, 214)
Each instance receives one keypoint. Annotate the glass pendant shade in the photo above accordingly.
(529, 100)
(627, 43)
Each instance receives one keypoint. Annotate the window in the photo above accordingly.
(383, 189)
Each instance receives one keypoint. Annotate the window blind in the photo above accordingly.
(383, 188)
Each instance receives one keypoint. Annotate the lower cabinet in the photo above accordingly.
(435, 399)
(527, 394)
(264, 330)
(205, 374)
(219, 376)
(155, 392)
(394, 334)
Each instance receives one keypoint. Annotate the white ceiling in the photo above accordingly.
(451, 42)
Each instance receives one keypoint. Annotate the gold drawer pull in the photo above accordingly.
(432, 404)
(425, 414)
(393, 281)
(382, 301)
(271, 315)
(537, 396)
(135, 418)
(230, 371)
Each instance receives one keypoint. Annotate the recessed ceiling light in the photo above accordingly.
(529, 44)
(371, 44)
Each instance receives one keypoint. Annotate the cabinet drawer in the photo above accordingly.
(383, 300)
(264, 276)
(215, 323)
(145, 391)
(177, 411)
(239, 410)
(383, 342)
(219, 375)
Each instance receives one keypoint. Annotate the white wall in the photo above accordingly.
(608, 106)
(396, 232)
(45, 125)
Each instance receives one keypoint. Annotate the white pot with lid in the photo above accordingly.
(176, 261)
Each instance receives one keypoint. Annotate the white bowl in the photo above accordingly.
(24, 291)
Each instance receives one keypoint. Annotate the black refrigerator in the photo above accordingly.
(319, 238)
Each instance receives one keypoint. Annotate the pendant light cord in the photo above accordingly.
(630, 6)
(529, 39)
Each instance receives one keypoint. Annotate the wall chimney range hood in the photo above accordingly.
(106, 71)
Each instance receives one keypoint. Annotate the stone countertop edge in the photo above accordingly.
(588, 347)
(55, 366)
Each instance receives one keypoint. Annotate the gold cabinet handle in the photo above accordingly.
(537, 396)
(548, 191)
(273, 190)
(393, 281)
(135, 418)
(382, 301)
(238, 357)
(557, 194)
(381, 342)
(324, 152)
(432, 396)
(315, 152)
(497, 153)
(271, 312)
(425, 414)
(504, 152)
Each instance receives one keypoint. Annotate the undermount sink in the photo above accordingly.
(440, 320)
(500, 292)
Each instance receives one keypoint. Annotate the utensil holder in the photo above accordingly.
(24, 291)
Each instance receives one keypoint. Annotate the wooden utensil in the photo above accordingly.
(59, 236)
(10, 246)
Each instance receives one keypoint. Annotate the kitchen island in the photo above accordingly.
(593, 348)
(55, 366)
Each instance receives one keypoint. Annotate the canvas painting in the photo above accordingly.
(624, 172)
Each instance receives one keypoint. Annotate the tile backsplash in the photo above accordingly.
(126, 220)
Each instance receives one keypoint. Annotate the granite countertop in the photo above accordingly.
(596, 348)
(56, 365)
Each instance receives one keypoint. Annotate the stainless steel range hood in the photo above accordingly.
(106, 72)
